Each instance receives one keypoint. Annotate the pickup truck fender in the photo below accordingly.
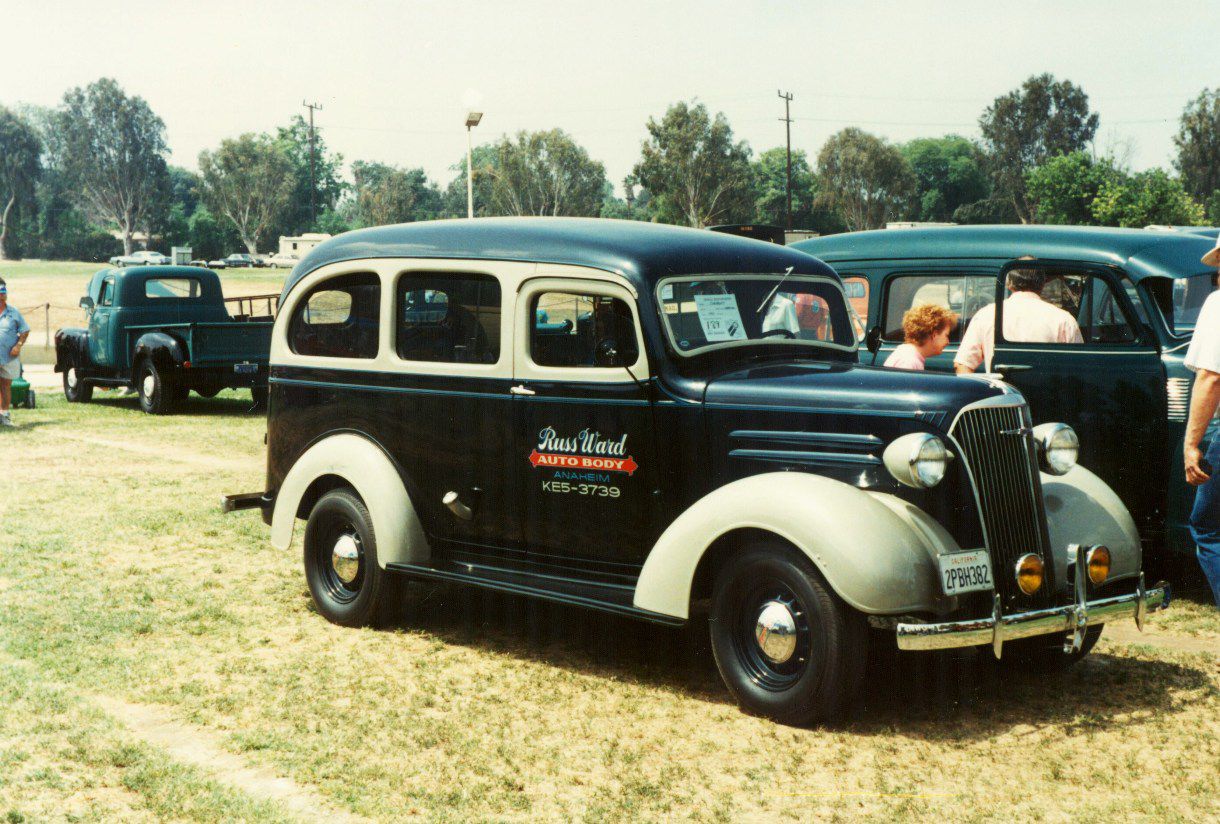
(166, 351)
(367, 469)
(875, 550)
(1082, 509)
(71, 349)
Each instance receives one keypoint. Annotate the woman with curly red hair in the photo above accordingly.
(926, 329)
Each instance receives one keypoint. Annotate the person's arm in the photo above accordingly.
(16, 350)
(970, 352)
(1204, 398)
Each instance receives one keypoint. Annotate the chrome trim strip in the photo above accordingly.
(998, 629)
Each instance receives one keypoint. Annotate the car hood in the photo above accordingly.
(853, 388)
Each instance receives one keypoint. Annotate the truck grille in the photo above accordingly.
(1003, 462)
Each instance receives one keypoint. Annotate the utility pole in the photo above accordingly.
(313, 206)
(787, 118)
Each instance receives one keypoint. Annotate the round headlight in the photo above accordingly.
(1058, 447)
(919, 459)
(1029, 573)
(1098, 562)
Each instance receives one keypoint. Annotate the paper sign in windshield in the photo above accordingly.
(719, 317)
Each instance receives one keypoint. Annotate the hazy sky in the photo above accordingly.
(396, 78)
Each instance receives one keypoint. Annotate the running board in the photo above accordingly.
(573, 592)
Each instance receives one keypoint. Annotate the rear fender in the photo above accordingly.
(166, 351)
(875, 550)
(368, 470)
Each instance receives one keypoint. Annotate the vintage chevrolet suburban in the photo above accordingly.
(658, 422)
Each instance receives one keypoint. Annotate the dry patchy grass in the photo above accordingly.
(121, 577)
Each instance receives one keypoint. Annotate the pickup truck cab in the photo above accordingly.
(165, 331)
(1135, 294)
(634, 418)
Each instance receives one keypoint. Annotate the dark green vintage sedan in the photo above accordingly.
(1135, 293)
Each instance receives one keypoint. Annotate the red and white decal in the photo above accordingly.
(587, 449)
(598, 462)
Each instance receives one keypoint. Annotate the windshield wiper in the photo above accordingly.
(771, 294)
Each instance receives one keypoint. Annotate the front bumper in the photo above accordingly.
(1072, 618)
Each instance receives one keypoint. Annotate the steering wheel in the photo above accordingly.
(787, 333)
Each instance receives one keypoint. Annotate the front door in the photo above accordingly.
(585, 454)
(101, 347)
(1109, 386)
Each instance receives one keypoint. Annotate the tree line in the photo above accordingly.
(73, 176)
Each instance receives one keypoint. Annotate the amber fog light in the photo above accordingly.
(1098, 561)
(1029, 573)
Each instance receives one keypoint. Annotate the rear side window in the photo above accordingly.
(961, 294)
(338, 318)
(171, 288)
(448, 317)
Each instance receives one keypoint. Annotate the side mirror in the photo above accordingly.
(607, 353)
(872, 340)
(86, 302)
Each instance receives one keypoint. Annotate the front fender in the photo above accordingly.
(1082, 509)
(875, 550)
(368, 470)
(71, 349)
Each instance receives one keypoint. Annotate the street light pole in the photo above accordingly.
(313, 187)
(787, 118)
(472, 120)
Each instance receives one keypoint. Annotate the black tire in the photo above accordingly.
(259, 394)
(364, 596)
(1045, 653)
(817, 678)
(30, 400)
(76, 390)
(158, 394)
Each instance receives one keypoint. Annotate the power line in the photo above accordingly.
(787, 118)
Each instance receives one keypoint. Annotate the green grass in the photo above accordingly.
(120, 576)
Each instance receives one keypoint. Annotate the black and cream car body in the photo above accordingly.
(667, 423)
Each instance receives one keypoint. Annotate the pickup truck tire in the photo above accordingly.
(348, 586)
(258, 394)
(786, 646)
(158, 395)
(75, 388)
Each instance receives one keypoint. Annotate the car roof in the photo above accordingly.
(641, 252)
(1141, 252)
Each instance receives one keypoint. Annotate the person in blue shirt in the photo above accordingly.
(13, 332)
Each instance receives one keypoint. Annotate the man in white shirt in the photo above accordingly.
(1203, 358)
(1027, 319)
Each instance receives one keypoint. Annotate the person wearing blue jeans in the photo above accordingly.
(1203, 358)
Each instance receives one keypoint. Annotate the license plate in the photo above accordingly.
(245, 368)
(966, 572)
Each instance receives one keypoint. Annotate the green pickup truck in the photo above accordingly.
(165, 331)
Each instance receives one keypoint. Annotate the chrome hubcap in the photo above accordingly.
(775, 632)
(149, 385)
(345, 558)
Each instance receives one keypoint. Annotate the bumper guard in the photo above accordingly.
(1072, 618)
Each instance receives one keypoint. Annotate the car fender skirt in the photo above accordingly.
(875, 550)
(366, 468)
(1082, 509)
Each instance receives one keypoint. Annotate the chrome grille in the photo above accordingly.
(1177, 391)
(1000, 454)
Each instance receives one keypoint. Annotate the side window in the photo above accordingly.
(107, 295)
(962, 294)
(448, 318)
(571, 329)
(1093, 303)
(339, 318)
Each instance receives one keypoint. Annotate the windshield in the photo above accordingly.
(706, 311)
(1181, 302)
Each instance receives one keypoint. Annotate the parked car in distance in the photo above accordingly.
(281, 260)
(1135, 294)
(632, 417)
(143, 258)
(165, 332)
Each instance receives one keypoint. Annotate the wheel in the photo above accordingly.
(258, 394)
(75, 388)
(348, 586)
(1044, 653)
(786, 646)
(157, 393)
(29, 399)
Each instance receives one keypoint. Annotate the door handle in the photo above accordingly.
(1012, 367)
(521, 389)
